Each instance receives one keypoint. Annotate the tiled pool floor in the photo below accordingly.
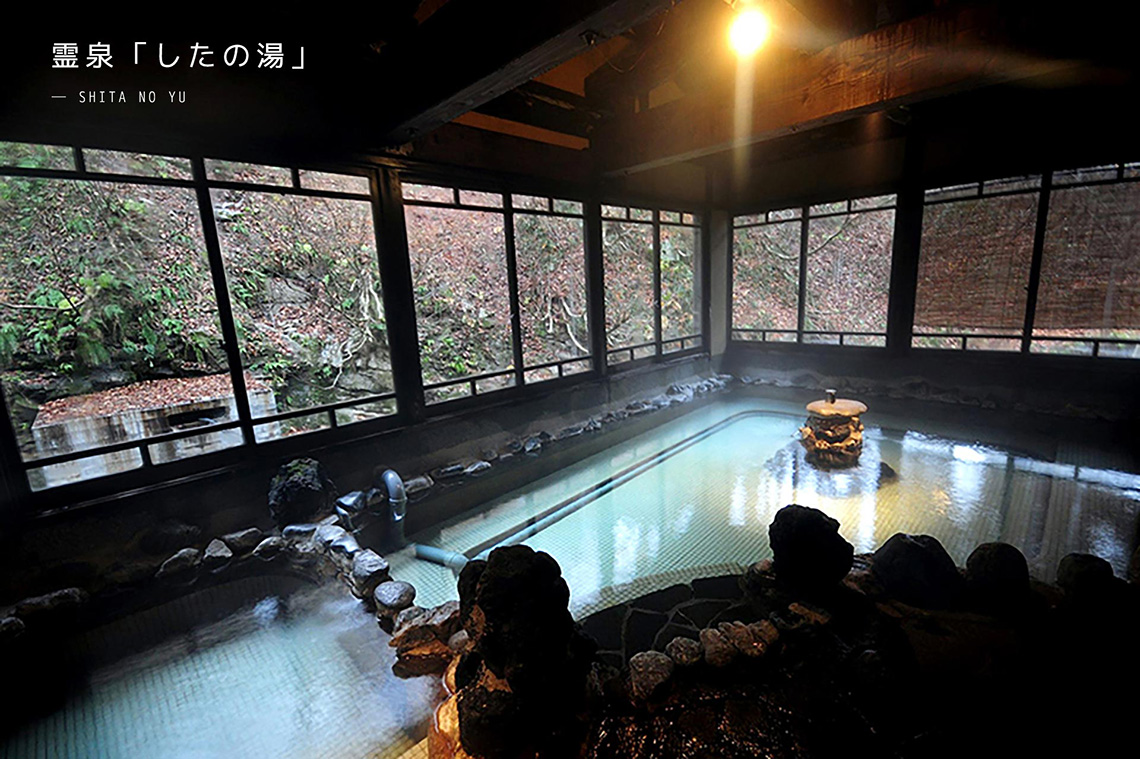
(706, 509)
(306, 677)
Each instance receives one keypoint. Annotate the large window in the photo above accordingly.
(835, 256)
(109, 328)
(550, 257)
(974, 265)
(463, 244)
(304, 286)
(1089, 296)
(652, 291)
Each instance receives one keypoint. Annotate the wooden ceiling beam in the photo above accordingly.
(547, 107)
(915, 60)
(468, 53)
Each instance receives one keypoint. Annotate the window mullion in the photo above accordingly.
(513, 288)
(1035, 264)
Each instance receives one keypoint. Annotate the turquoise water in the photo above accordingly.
(303, 675)
(706, 509)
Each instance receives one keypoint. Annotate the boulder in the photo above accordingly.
(1084, 576)
(428, 658)
(217, 556)
(414, 629)
(57, 602)
(392, 597)
(808, 551)
(327, 534)
(997, 576)
(719, 651)
(743, 638)
(685, 652)
(300, 491)
(11, 627)
(648, 671)
(299, 533)
(916, 570)
(243, 541)
(183, 565)
(369, 569)
(270, 548)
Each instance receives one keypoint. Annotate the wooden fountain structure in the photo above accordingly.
(833, 432)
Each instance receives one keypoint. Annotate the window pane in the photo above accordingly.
(849, 272)
(765, 276)
(305, 290)
(472, 198)
(530, 203)
(459, 271)
(550, 256)
(568, 206)
(428, 192)
(974, 265)
(231, 171)
(142, 164)
(680, 298)
(28, 156)
(628, 252)
(112, 331)
(323, 180)
(1090, 270)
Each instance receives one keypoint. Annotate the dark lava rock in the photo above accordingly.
(916, 570)
(743, 638)
(491, 724)
(1134, 566)
(217, 556)
(1083, 575)
(300, 491)
(392, 597)
(430, 657)
(515, 611)
(243, 541)
(183, 565)
(168, 536)
(648, 671)
(808, 551)
(997, 576)
(685, 652)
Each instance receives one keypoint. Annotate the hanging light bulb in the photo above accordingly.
(749, 31)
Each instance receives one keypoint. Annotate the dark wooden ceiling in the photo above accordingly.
(641, 96)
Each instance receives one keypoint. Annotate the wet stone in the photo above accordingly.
(809, 614)
(345, 547)
(392, 597)
(217, 556)
(326, 534)
(418, 485)
(1083, 575)
(270, 548)
(243, 541)
(765, 631)
(674, 630)
(369, 569)
(648, 671)
(11, 627)
(61, 600)
(685, 652)
(916, 570)
(449, 472)
(719, 651)
(742, 639)
(182, 565)
(297, 533)
(477, 468)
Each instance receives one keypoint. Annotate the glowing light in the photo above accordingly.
(749, 32)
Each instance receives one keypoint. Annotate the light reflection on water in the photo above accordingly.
(709, 507)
